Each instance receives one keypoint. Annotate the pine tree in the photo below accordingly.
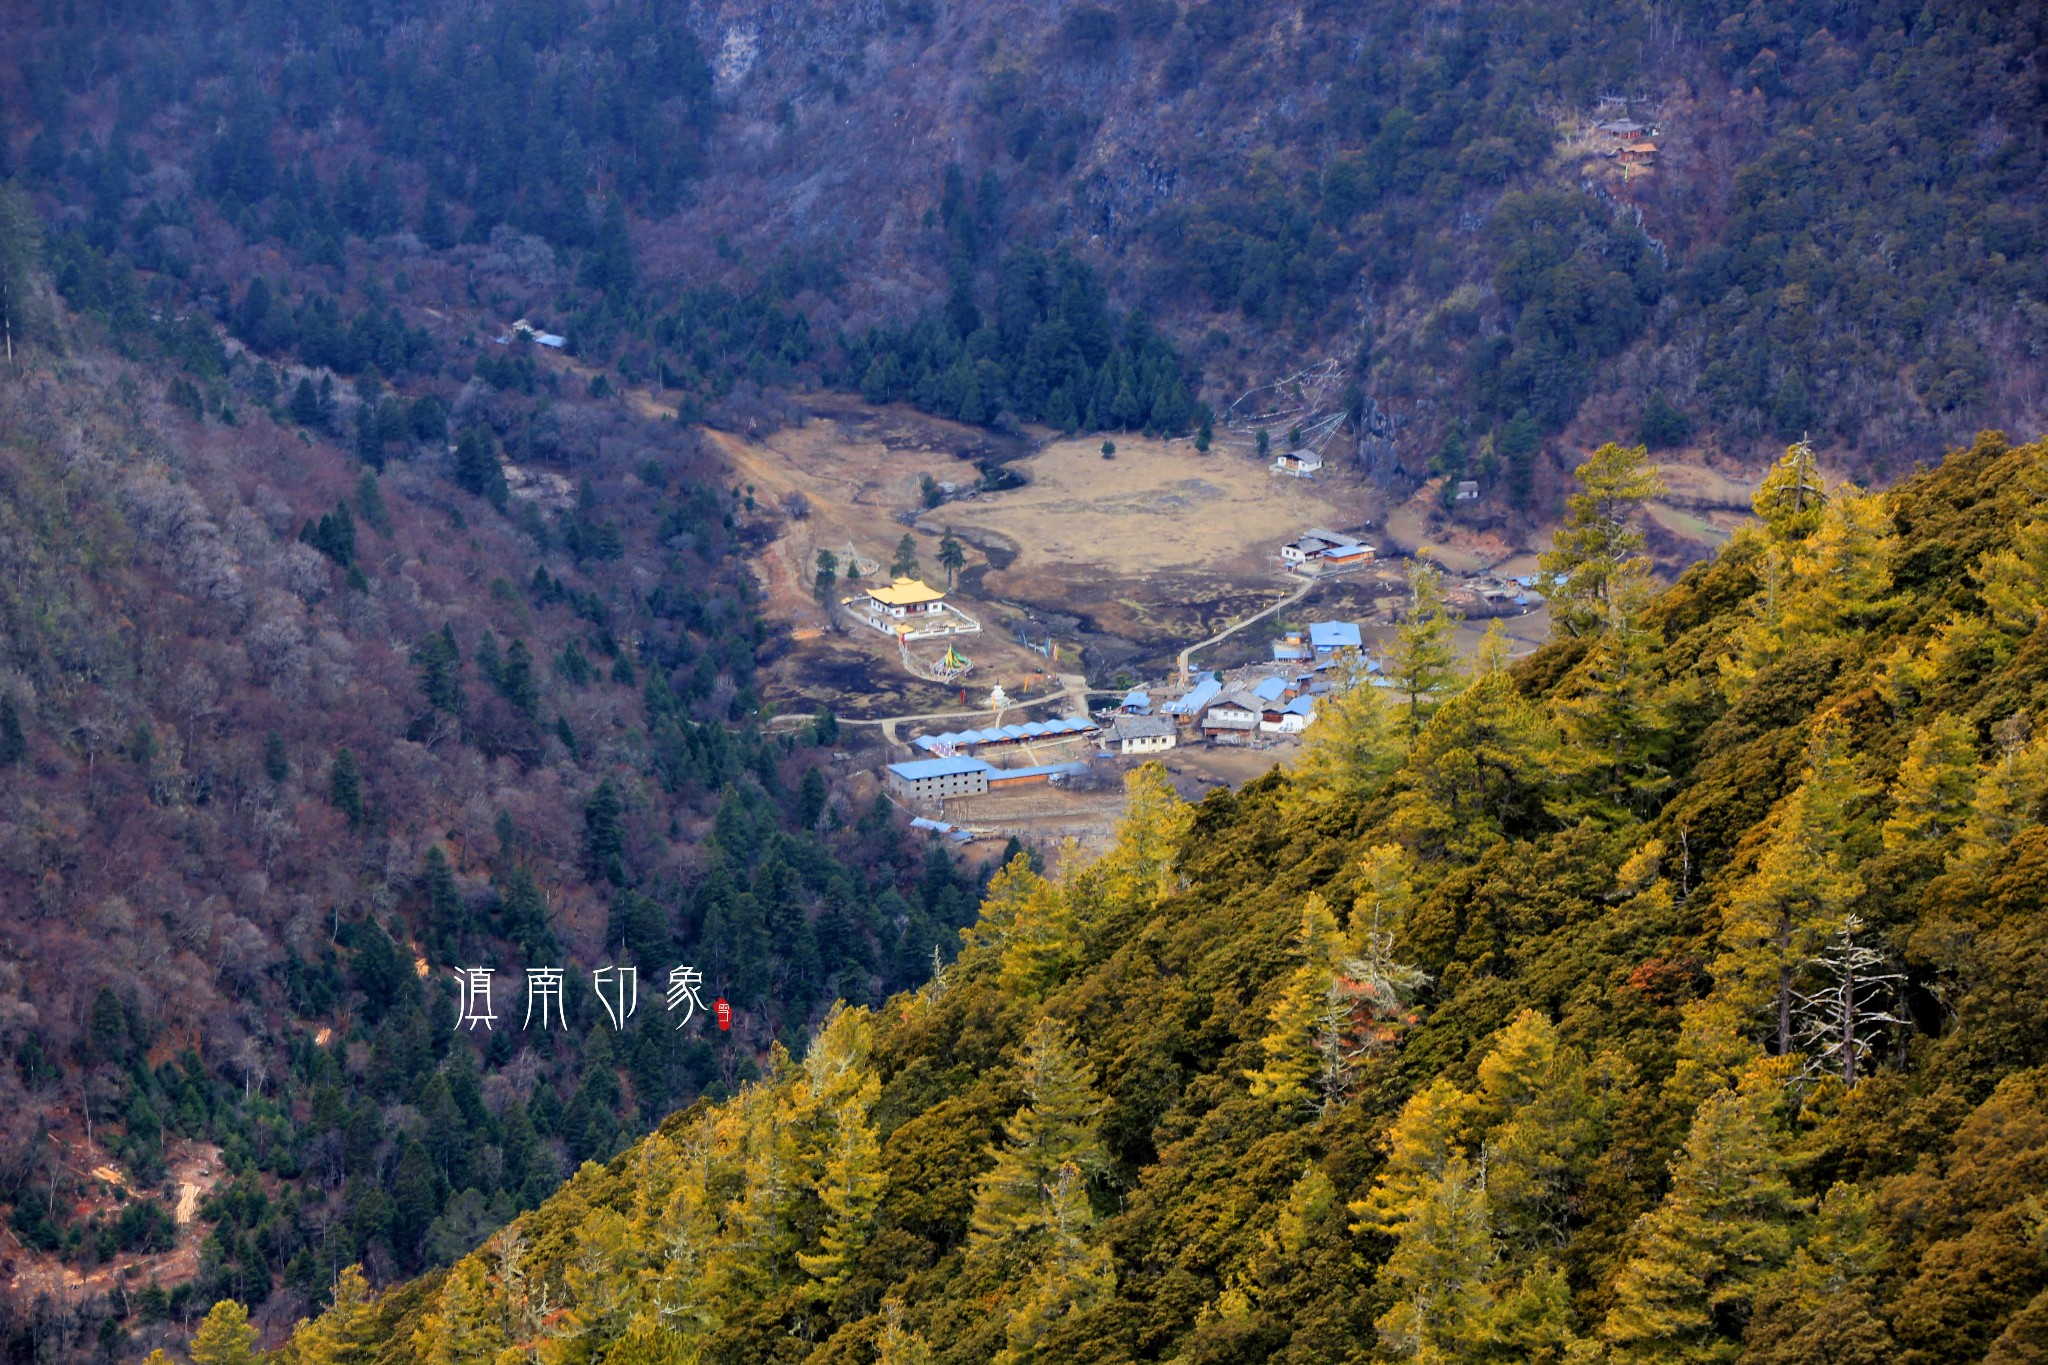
(434, 228)
(1792, 496)
(952, 557)
(610, 265)
(346, 1334)
(1614, 716)
(515, 679)
(1600, 535)
(1354, 747)
(477, 469)
(1531, 1320)
(1759, 642)
(2009, 794)
(1035, 919)
(851, 1189)
(447, 916)
(467, 1326)
(1483, 769)
(1841, 574)
(897, 1344)
(1072, 1277)
(440, 670)
(1438, 1271)
(1055, 1128)
(1548, 1112)
(224, 1337)
(826, 584)
(1932, 796)
(1374, 981)
(1296, 1018)
(604, 836)
(1424, 663)
(1421, 1144)
(905, 563)
(1845, 1245)
(13, 743)
(345, 788)
(1125, 883)
(1794, 901)
(1698, 1259)
(2014, 579)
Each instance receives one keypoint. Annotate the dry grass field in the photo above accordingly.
(1125, 558)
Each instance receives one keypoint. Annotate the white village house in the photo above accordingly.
(1233, 718)
(1140, 735)
(1302, 464)
(1318, 551)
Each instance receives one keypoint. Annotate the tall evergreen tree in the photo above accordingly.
(515, 679)
(1778, 917)
(439, 663)
(1056, 1127)
(952, 557)
(1600, 536)
(345, 788)
(1290, 1045)
(604, 833)
(447, 916)
(1354, 747)
(1932, 796)
(225, 1336)
(1698, 1260)
(1423, 665)
(477, 469)
(13, 743)
(1616, 717)
(1792, 496)
(905, 563)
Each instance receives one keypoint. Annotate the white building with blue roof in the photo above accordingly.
(930, 779)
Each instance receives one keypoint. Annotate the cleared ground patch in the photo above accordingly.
(1124, 559)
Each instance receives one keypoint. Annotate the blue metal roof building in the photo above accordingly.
(920, 768)
(1008, 734)
(1198, 697)
(1328, 635)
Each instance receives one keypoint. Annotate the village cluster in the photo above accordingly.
(1239, 707)
(1251, 706)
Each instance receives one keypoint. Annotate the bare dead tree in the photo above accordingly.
(1840, 1019)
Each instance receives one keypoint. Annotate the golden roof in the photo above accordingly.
(906, 592)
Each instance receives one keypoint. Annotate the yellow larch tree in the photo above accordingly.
(1794, 901)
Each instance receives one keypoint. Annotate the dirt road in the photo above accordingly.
(1307, 586)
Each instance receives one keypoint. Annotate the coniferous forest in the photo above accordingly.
(1671, 994)
(381, 613)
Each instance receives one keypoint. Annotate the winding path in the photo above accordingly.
(1074, 690)
(1307, 586)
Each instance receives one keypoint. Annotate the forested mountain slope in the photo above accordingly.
(1839, 233)
(284, 742)
(1672, 995)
